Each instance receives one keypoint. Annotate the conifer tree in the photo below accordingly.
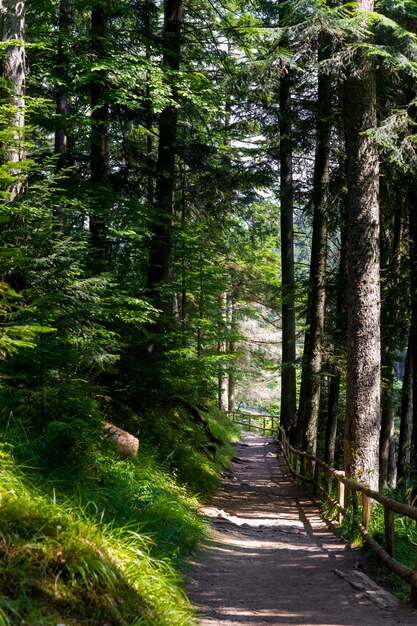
(288, 375)
(362, 426)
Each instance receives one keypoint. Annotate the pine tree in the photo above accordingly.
(362, 424)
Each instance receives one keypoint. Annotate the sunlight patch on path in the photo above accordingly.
(271, 560)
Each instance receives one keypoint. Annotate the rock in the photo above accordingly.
(126, 444)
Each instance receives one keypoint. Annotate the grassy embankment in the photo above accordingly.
(405, 540)
(99, 540)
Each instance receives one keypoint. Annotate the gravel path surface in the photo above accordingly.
(271, 559)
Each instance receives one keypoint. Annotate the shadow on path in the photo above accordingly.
(271, 559)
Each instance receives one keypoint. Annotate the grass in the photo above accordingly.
(405, 544)
(103, 542)
(59, 565)
(404, 549)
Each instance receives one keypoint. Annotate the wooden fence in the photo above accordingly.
(266, 424)
(319, 475)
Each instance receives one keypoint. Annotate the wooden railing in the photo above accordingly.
(266, 424)
(312, 470)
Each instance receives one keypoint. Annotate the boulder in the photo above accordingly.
(126, 444)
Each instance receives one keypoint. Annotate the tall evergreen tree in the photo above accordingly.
(362, 424)
(288, 375)
(160, 254)
(313, 345)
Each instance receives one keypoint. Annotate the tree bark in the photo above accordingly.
(391, 329)
(61, 137)
(14, 68)
(232, 349)
(387, 427)
(313, 349)
(223, 379)
(288, 376)
(61, 133)
(99, 150)
(362, 424)
(340, 331)
(413, 329)
(406, 414)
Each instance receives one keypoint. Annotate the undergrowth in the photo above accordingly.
(102, 541)
(405, 543)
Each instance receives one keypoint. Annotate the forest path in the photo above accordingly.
(271, 559)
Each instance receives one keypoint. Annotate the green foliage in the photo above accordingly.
(59, 565)
(195, 448)
(80, 341)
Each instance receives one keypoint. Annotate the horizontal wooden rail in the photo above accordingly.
(256, 421)
(297, 462)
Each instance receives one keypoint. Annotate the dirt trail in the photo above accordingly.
(272, 560)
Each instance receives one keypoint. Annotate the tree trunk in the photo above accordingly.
(406, 414)
(413, 329)
(288, 376)
(61, 131)
(340, 331)
(387, 425)
(332, 415)
(391, 329)
(160, 263)
(223, 379)
(313, 349)
(232, 350)
(61, 137)
(362, 424)
(99, 151)
(13, 29)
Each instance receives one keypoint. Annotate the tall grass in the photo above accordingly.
(102, 542)
(59, 566)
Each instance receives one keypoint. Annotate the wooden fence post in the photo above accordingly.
(355, 503)
(341, 495)
(366, 510)
(389, 531)
(414, 591)
(316, 478)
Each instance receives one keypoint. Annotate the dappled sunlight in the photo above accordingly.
(271, 559)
